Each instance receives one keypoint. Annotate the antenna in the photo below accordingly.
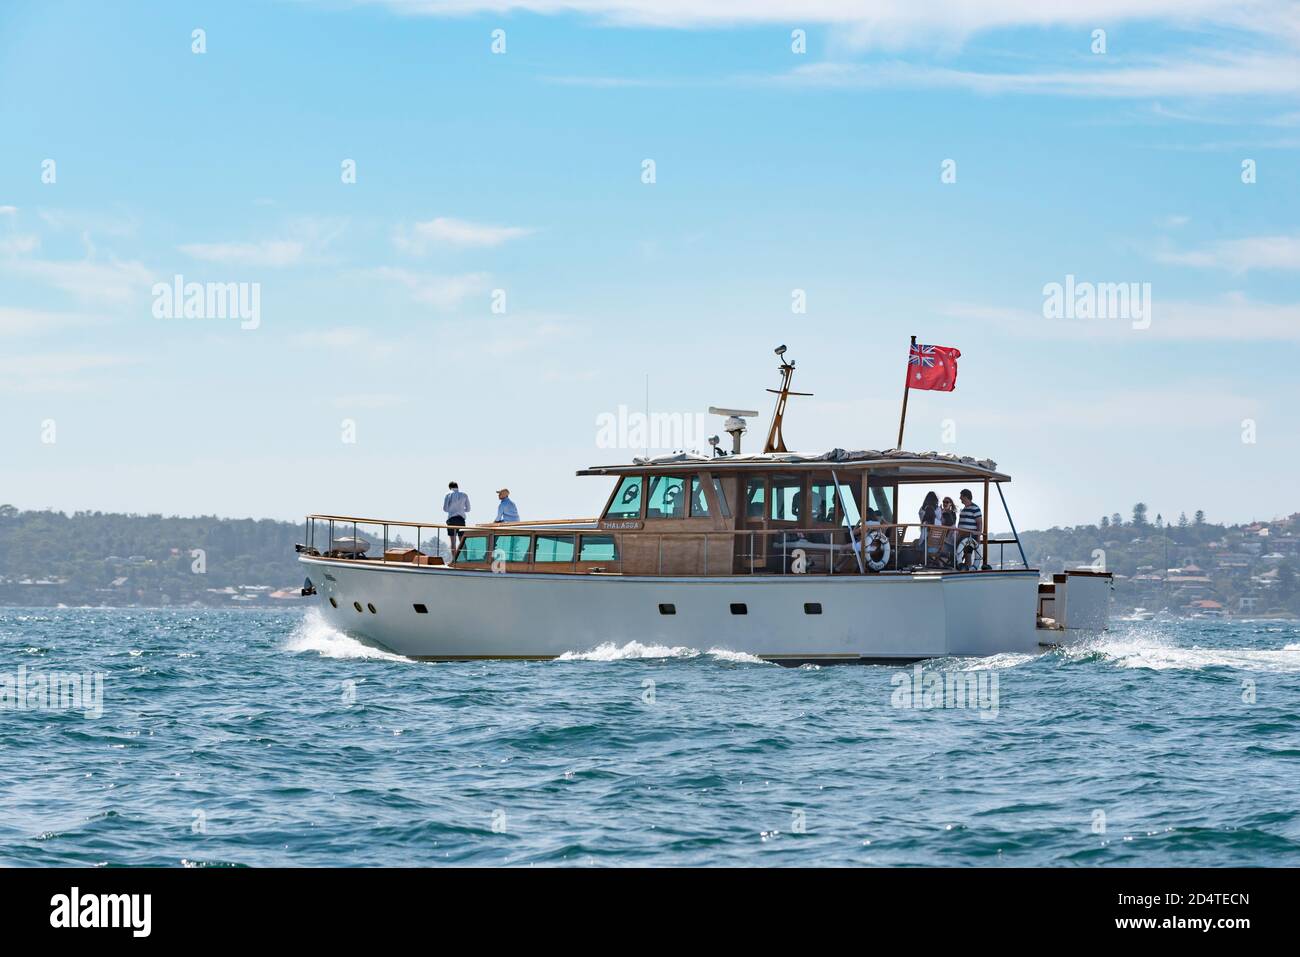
(735, 426)
(775, 440)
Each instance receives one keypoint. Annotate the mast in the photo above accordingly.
(907, 387)
(775, 440)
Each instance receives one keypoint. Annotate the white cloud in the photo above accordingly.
(1199, 74)
(55, 372)
(354, 340)
(19, 244)
(274, 253)
(886, 22)
(441, 292)
(372, 400)
(454, 232)
(16, 321)
(1232, 317)
(1241, 255)
(8, 210)
(89, 279)
(305, 239)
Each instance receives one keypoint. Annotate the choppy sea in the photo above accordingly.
(267, 738)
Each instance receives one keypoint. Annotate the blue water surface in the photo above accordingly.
(267, 738)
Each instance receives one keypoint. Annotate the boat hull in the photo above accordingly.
(863, 618)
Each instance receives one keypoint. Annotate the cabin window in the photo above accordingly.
(739, 608)
(554, 548)
(722, 498)
(598, 548)
(667, 497)
(473, 548)
(699, 501)
(824, 509)
(627, 499)
(510, 548)
(882, 504)
(420, 609)
(667, 609)
(812, 608)
(755, 496)
(787, 498)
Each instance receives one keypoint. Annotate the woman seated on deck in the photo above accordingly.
(943, 541)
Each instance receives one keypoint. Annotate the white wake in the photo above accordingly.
(633, 650)
(1159, 654)
(314, 633)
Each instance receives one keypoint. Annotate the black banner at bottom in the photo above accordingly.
(338, 906)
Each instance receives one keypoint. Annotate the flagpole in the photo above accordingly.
(907, 386)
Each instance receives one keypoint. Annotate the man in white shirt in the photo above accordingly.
(456, 505)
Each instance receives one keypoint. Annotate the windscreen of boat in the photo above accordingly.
(626, 502)
(667, 497)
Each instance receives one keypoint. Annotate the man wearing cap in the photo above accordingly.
(506, 511)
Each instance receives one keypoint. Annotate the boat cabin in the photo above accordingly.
(775, 512)
(692, 515)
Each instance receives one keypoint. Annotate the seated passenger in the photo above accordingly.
(941, 541)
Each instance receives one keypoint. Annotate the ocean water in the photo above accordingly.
(266, 738)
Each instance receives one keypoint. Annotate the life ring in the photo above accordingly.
(876, 540)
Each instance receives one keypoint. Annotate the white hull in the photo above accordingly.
(863, 617)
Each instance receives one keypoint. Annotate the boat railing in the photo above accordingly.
(889, 547)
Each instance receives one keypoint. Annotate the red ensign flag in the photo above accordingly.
(932, 367)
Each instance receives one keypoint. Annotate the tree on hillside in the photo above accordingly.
(1286, 582)
(1117, 520)
(1182, 519)
(1105, 521)
(1140, 515)
(1199, 518)
(1160, 522)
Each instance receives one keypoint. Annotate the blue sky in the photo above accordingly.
(775, 171)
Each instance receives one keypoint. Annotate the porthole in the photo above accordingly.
(812, 608)
(421, 609)
(333, 603)
(372, 608)
(667, 608)
(739, 608)
(357, 606)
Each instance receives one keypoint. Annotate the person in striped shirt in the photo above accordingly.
(970, 524)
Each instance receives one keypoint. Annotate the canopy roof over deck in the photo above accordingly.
(894, 464)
